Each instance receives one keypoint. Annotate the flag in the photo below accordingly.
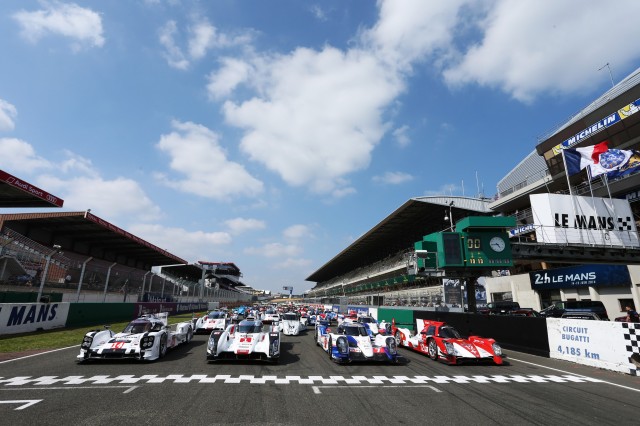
(615, 163)
(580, 158)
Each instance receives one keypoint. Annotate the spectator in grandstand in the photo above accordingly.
(67, 280)
(38, 275)
(632, 316)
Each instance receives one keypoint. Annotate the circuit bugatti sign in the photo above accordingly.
(564, 219)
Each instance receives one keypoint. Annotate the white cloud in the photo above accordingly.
(189, 245)
(195, 152)
(201, 37)
(231, 73)
(393, 178)
(527, 49)
(272, 250)
(318, 117)
(297, 232)
(19, 156)
(8, 113)
(318, 12)
(119, 199)
(401, 137)
(240, 225)
(291, 264)
(82, 25)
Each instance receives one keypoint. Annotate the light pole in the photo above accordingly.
(449, 216)
(56, 249)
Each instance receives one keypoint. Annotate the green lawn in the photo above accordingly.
(62, 337)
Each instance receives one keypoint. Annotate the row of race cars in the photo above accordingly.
(346, 339)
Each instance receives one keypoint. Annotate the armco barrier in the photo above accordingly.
(81, 314)
(27, 297)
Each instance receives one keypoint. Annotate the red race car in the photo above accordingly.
(443, 342)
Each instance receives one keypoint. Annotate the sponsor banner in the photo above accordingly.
(358, 310)
(565, 219)
(520, 230)
(453, 293)
(31, 189)
(598, 126)
(170, 307)
(600, 344)
(28, 317)
(581, 276)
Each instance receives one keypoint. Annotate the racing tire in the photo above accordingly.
(189, 335)
(398, 338)
(162, 349)
(329, 349)
(315, 336)
(432, 349)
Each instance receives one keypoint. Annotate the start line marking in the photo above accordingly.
(316, 389)
(70, 381)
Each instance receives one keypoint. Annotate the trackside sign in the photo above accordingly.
(27, 317)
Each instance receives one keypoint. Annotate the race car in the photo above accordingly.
(146, 338)
(351, 342)
(214, 320)
(441, 341)
(370, 323)
(270, 316)
(291, 325)
(248, 340)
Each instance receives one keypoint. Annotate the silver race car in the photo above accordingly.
(248, 340)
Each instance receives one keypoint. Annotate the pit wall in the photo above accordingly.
(29, 317)
(609, 345)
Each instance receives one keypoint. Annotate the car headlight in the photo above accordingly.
(86, 342)
(343, 346)
(449, 348)
(497, 349)
(147, 342)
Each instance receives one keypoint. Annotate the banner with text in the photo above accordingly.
(601, 344)
(565, 219)
(595, 275)
(27, 317)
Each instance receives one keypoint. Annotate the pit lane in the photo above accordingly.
(307, 388)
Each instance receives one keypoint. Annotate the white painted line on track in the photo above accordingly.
(128, 388)
(316, 389)
(40, 353)
(574, 374)
(25, 403)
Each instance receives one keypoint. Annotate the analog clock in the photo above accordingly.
(497, 244)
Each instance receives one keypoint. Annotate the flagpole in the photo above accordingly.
(573, 200)
(593, 200)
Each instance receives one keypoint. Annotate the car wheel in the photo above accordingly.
(398, 338)
(162, 350)
(329, 349)
(315, 336)
(189, 335)
(433, 349)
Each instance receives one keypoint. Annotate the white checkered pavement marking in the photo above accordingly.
(311, 380)
(631, 334)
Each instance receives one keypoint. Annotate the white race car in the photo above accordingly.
(248, 340)
(214, 320)
(291, 325)
(146, 338)
(270, 316)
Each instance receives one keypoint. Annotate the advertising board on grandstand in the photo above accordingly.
(565, 219)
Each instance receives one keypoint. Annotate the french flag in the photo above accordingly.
(580, 158)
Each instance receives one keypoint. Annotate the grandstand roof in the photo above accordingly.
(409, 223)
(85, 233)
(193, 272)
(15, 192)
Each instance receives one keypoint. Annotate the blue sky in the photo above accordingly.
(272, 134)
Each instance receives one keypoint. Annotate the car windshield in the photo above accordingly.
(250, 327)
(136, 327)
(270, 312)
(366, 320)
(290, 317)
(449, 333)
(355, 331)
(216, 315)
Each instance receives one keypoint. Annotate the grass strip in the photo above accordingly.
(62, 337)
